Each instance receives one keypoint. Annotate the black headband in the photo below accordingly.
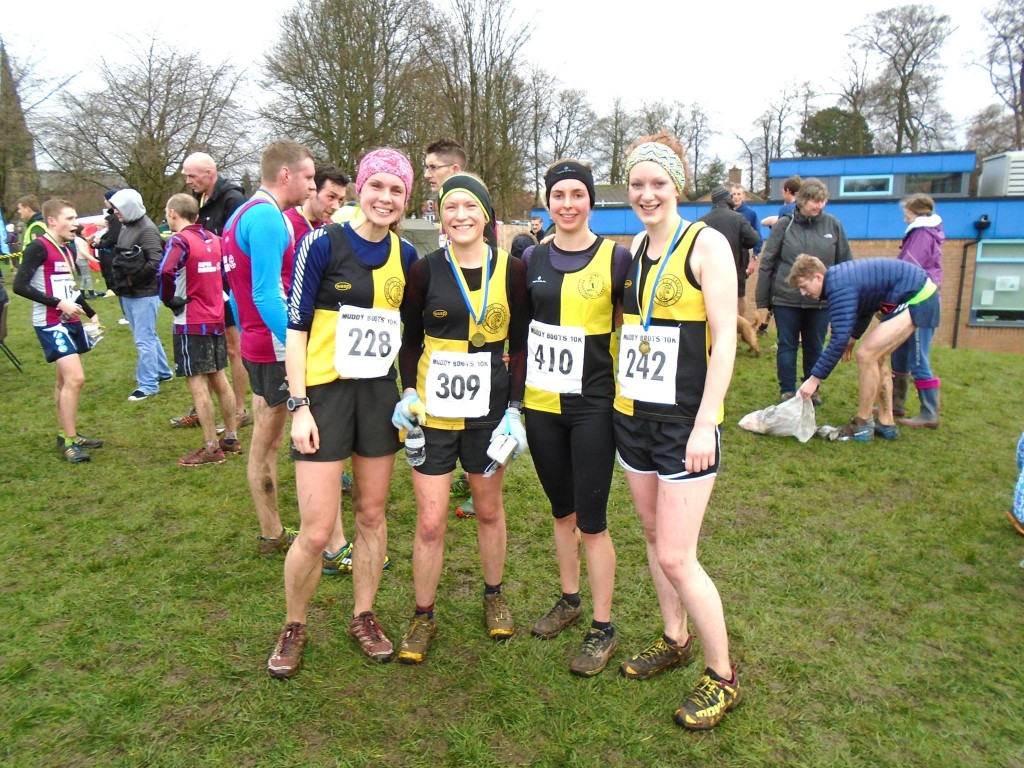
(569, 169)
(463, 182)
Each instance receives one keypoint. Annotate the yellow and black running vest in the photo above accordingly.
(447, 327)
(349, 282)
(580, 299)
(678, 301)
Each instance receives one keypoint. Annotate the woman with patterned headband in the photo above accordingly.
(462, 303)
(575, 285)
(676, 354)
(343, 337)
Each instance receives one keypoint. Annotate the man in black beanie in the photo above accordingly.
(741, 237)
(104, 242)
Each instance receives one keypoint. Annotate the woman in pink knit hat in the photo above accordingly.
(343, 337)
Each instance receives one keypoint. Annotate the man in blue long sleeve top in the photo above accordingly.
(904, 297)
(259, 254)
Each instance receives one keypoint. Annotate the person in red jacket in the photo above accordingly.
(192, 287)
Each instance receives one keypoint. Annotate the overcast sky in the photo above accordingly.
(731, 58)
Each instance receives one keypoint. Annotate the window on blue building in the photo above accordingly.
(934, 183)
(998, 297)
(865, 186)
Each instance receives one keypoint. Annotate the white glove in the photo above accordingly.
(409, 411)
(512, 424)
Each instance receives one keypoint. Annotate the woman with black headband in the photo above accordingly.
(461, 304)
(575, 285)
(676, 354)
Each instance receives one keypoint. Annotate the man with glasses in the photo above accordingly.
(446, 157)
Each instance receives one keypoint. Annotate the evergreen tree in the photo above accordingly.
(18, 174)
(834, 132)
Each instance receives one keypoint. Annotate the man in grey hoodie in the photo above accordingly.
(135, 271)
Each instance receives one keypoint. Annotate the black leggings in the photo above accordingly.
(574, 455)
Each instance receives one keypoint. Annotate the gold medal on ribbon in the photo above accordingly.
(477, 340)
(645, 347)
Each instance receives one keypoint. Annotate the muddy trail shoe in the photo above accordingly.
(416, 641)
(371, 638)
(562, 615)
(598, 647)
(707, 704)
(286, 658)
(278, 545)
(498, 617)
(656, 658)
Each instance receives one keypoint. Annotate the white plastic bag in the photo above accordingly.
(795, 418)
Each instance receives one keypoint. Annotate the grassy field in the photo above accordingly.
(872, 593)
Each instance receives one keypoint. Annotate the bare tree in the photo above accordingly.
(991, 131)
(807, 95)
(611, 137)
(696, 133)
(157, 106)
(780, 117)
(572, 123)
(907, 40)
(931, 127)
(542, 85)
(764, 148)
(654, 116)
(774, 132)
(343, 74)
(753, 156)
(473, 54)
(1004, 60)
(678, 120)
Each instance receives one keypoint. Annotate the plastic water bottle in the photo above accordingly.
(415, 446)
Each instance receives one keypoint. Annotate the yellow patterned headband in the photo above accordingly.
(655, 152)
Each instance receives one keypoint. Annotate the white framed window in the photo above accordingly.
(866, 186)
(998, 296)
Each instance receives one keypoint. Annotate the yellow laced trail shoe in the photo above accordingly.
(416, 641)
(598, 647)
(279, 545)
(707, 704)
(562, 615)
(339, 562)
(500, 624)
(656, 658)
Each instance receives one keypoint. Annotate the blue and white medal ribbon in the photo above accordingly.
(477, 339)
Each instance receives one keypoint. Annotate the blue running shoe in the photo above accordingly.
(341, 562)
(887, 431)
(858, 430)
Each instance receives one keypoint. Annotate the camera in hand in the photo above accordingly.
(501, 449)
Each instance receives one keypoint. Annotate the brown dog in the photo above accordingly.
(748, 334)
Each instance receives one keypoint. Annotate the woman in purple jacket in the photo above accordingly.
(922, 245)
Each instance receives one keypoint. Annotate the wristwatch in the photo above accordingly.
(294, 403)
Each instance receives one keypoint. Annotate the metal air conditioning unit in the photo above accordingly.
(1002, 175)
